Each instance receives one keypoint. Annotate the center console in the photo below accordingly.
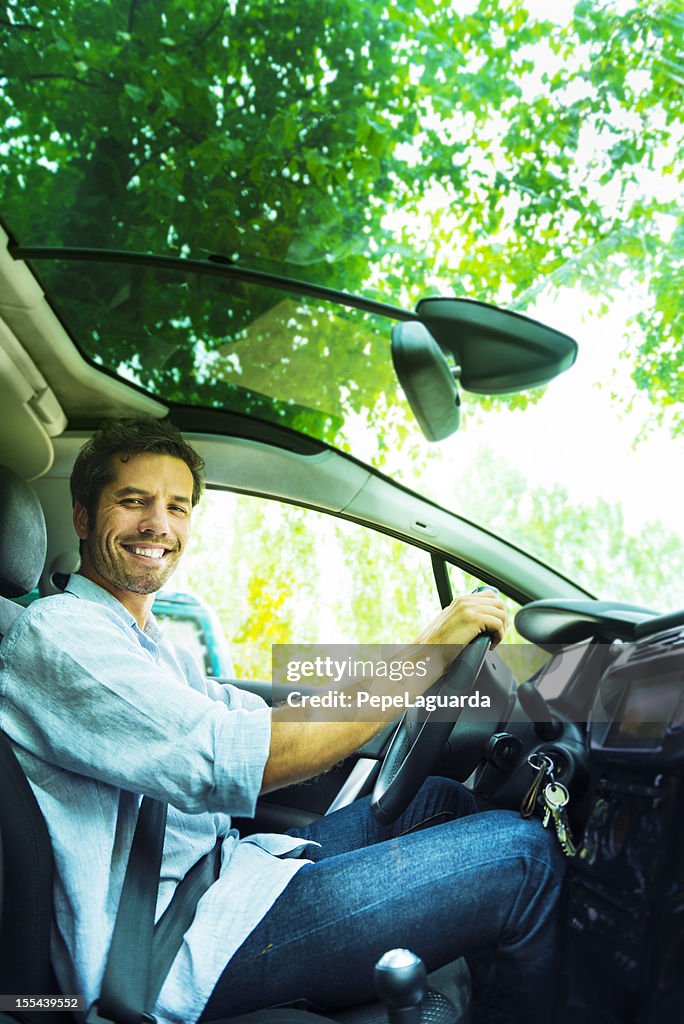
(625, 913)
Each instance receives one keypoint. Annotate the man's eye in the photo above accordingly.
(179, 508)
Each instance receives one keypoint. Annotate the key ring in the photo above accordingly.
(547, 763)
(542, 764)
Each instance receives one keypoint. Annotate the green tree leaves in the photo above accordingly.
(395, 148)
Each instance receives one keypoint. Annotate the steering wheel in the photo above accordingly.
(421, 736)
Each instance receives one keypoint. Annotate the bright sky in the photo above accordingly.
(577, 437)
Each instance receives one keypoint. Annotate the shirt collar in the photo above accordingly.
(81, 586)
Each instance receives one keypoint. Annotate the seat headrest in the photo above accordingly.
(23, 537)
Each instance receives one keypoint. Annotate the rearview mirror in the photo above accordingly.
(429, 383)
(485, 349)
(499, 351)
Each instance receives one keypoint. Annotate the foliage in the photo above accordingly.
(397, 147)
(590, 543)
(320, 138)
(276, 573)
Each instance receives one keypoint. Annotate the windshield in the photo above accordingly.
(518, 153)
(214, 342)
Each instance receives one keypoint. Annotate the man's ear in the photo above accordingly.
(80, 520)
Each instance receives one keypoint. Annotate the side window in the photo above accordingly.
(186, 633)
(276, 573)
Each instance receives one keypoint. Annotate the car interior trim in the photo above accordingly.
(214, 266)
(77, 383)
(334, 483)
(359, 778)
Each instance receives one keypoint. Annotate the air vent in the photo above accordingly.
(664, 643)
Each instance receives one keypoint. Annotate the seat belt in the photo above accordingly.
(140, 953)
(177, 918)
(123, 996)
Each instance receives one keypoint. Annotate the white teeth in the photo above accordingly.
(149, 552)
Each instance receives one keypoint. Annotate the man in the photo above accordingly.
(100, 710)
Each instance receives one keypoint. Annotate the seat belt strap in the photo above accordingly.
(141, 953)
(123, 997)
(177, 918)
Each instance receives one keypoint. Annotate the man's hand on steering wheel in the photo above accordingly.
(304, 743)
(472, 623)
(465, 618)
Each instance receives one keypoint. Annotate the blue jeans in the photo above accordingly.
(484, 883)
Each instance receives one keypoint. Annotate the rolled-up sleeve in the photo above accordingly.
(86, 696)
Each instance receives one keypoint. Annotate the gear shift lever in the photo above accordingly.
(401, 983)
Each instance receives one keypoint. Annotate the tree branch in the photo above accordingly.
(66, 78)
(131, 16)
(212, 28)
(205, 35)
(23, 25)
(108, 76)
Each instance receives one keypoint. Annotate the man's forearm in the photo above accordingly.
(303, 745)
(301, 750)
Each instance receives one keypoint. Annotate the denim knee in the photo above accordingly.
(525, 837)
(449, 794)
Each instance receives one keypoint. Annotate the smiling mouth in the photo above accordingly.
(151, 554)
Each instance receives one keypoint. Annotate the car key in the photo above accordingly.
(557, 791)
(543, 766)
(546, 817)
(557, 798)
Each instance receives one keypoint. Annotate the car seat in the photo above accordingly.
(25, 852)
(26, 863)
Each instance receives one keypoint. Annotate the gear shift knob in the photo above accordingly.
(401, 983)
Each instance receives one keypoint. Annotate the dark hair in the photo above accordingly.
(94, 467)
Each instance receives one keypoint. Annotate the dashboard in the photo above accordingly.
(618, 740)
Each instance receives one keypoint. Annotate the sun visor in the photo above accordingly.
(31, 414)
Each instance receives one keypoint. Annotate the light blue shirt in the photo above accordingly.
(99, 713)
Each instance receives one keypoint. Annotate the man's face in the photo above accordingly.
(141, 526)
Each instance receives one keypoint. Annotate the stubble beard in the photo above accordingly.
(113, 568)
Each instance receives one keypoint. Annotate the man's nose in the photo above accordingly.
(155, 519)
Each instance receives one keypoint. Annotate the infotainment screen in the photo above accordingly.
(648, 710)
